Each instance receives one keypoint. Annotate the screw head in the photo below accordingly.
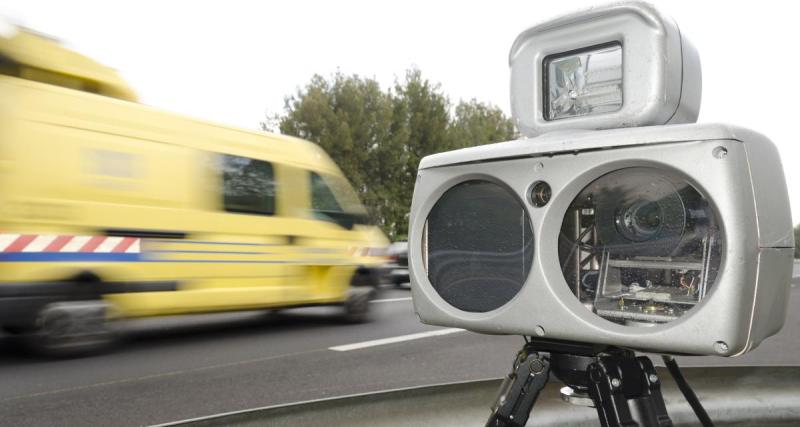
(537, 366)
(653, 378)
(615, 382)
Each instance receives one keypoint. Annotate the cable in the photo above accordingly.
(694, 402)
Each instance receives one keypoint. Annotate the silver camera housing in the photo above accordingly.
(738, 170)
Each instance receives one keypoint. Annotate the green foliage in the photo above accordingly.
(378, 137)
(476, 124)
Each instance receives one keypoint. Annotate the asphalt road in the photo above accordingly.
(178, 368)
(171, 369)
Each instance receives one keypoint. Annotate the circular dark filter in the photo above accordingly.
(480, 246)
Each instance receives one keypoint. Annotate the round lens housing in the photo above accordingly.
(540, 193)
(479, 246)
(640, 246)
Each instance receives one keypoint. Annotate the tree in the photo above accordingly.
(350, 118)
(420, 124)
(477, 124)
(379, 137)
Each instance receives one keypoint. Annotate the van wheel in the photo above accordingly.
(356, 306)
(365, 277)
(71, 329)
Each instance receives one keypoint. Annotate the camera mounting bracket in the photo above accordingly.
(625, 389)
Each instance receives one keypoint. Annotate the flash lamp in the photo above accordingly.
(631, 227)
(585, 82)
(621, 65)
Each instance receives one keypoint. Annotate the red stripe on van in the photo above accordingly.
(21, 242)
(92, 244)
(124, 244)
(57, 244)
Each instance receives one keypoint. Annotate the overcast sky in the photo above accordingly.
(231, 61)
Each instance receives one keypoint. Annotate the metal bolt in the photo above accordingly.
(653, 378)
(537, 366)
(615, 382)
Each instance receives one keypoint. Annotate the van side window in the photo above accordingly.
(322, 198)
(248, 185)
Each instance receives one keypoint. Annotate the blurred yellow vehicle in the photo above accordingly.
(111, 209)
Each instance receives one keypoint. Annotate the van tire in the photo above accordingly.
(70, 329)
(365, 277)
(356, 306)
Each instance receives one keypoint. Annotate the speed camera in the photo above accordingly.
(631, 226)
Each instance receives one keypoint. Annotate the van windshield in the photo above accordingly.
(333, 194)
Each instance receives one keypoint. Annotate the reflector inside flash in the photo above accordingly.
(583, 83)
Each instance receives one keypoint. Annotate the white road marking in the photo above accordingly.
(392, 340)
(390, 300)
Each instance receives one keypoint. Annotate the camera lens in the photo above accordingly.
(640, 246)
(540, 193)
(640, 221)
(479, 246)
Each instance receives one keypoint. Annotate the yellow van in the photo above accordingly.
(111, 209)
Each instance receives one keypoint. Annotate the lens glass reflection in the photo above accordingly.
(584, 83)
(640, 246)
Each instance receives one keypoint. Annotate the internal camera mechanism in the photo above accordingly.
(640, 246)
(479, 246)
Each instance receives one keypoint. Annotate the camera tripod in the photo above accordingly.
(625, 389)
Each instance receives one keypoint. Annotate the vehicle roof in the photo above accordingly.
(41, 102)
(36, 50)
(115, 109)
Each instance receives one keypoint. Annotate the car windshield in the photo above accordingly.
(205, 207)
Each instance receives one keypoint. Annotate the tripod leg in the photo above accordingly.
(626, 392)
(520, 389)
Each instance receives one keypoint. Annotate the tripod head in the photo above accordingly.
(625, 389)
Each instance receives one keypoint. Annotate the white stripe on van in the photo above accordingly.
(39, 243)
(6, 240)
(108, 244)
(75, 244)
(134, 248)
